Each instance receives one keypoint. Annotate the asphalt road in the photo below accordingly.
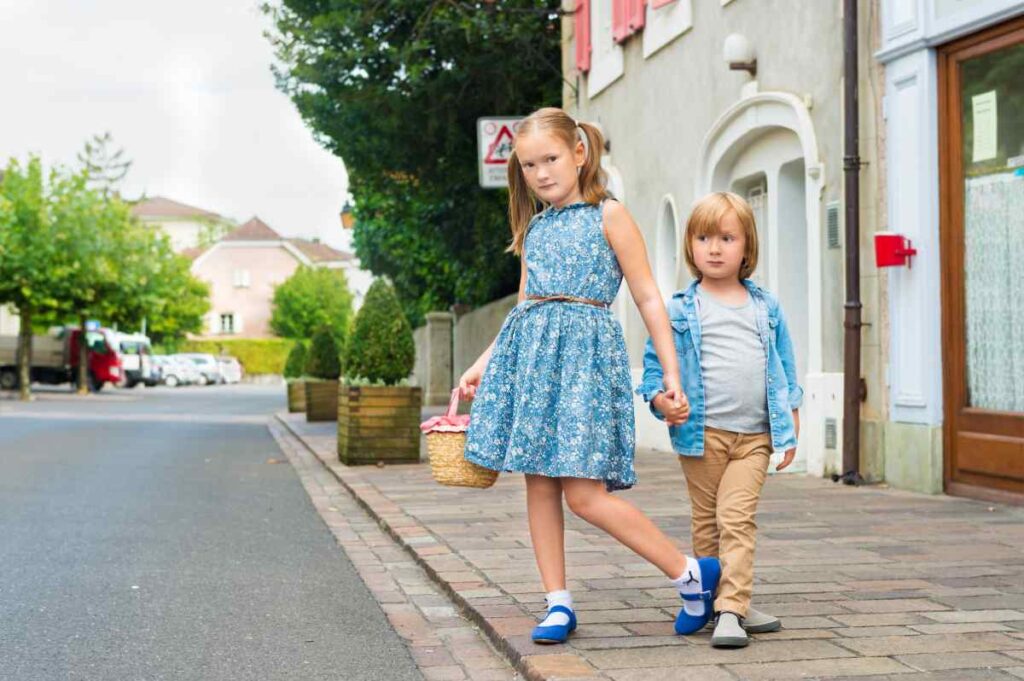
(146, 535)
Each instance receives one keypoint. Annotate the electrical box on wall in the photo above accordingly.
(892, 250)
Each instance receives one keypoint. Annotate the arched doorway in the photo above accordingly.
(764, 149)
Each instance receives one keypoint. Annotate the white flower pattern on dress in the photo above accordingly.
(556, 397)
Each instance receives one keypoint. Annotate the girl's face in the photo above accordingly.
(551, 168)
(720, 255)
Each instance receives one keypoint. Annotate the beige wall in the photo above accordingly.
(267, 267)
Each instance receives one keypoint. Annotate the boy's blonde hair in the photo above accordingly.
(522, 204)
(705, 220)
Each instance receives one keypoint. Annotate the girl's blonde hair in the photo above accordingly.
(522, 204)
(705, 219)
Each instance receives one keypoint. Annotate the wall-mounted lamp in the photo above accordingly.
(739, 54)
(348, 218)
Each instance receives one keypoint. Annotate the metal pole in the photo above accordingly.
(852, 389)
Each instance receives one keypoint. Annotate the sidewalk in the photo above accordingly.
(870, 583)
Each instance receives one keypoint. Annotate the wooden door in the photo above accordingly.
(981, 154)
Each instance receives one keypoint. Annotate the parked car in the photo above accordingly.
(230, 369)
(176, 371)
(137, 359)
(209, 369)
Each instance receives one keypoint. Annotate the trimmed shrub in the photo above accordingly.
(295, 366)
(323, 360)
(256, 355)
(381, 346)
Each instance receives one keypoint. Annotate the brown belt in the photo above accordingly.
(570, 299)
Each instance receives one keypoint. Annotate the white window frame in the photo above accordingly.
(242, 278)
(229, 328)
(665, 24)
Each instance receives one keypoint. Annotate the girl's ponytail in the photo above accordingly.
(593, 179)
(521, 204)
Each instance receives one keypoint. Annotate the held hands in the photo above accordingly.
(672, 404)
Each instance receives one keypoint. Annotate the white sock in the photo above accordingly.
(689, 583)
(557, 619)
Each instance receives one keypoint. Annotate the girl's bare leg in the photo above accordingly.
(589, 500)
(547, 529)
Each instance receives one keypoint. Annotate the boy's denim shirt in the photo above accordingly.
(784, 394)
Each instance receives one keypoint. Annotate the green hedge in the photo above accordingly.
(257, 356)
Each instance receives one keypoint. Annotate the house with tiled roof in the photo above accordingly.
(188, 227)
(243, 267)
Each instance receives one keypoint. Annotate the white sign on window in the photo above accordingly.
(494, 147)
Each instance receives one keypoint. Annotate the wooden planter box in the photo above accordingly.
(379, 424)
(321, 400)
(296, 396)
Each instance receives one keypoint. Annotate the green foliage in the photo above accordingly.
(323, 360)
(68, 253)
(381, 347)
(395, 88)
(310, 298)
(256, 355)
(296, 364)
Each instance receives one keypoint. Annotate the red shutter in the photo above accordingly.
(637, 12)
(620, 20)
(655, 4)
(582, 20)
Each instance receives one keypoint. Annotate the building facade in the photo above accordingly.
(681, 123)
(245, 266)
(186, 226)
(954, 121)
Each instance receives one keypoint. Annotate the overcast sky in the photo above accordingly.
(185, 87)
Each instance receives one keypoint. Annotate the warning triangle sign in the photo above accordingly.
(500, 149)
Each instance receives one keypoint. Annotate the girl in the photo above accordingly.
(740, 376)
(552, 392)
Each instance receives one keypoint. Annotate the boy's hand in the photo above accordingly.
(787, 459)
(673, 406)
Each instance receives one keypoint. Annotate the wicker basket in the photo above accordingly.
(446, 442)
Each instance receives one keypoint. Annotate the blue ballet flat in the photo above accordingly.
(555, 633)
(710, 573)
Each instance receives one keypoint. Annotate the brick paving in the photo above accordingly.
(870, 583)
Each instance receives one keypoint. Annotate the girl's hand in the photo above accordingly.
(786, 459)
(470, 381)
(673, 406)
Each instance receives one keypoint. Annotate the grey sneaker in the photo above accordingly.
(757, 622)
(729, 633)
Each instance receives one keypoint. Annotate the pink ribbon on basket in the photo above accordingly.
(450, 421)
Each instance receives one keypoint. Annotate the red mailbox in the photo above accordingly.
(892, 250)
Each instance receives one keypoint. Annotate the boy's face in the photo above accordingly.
(550, 166)
(720, 255)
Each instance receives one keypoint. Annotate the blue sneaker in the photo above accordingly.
(557, 633)
(710, 573)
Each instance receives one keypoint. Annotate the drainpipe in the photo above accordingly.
(852, 385)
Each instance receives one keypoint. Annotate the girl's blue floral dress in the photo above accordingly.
(556, 396)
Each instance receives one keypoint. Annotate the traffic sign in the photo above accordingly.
(494, 148)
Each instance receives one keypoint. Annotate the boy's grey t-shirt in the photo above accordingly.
(732, 362)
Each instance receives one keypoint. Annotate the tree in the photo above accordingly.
(323, 360)
(312, 297)
(37, 260)
(295, 365)
(395, 88)
(104, 166)
(381, 347)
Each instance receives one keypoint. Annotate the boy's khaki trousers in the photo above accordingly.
(725, 485)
